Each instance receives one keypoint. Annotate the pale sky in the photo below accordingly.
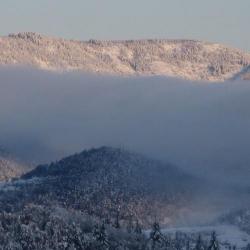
(223, 21)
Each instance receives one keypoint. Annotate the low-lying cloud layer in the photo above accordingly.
(199, 126)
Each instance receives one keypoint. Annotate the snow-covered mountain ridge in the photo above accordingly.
(188, 59)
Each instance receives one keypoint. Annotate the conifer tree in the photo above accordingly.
(214, 244)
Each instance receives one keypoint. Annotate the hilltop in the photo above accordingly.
(106, 183)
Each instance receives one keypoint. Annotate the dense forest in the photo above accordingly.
(38, 227)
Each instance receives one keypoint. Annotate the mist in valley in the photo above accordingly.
(200, 127)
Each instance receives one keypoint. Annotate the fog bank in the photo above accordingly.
(45, 116)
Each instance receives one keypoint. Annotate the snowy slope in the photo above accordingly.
(188, 59)
(226, 234)
(103, 181)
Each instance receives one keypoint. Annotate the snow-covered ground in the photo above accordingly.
(226, 234)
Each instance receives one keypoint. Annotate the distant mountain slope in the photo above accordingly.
(244, 74)
(10, 167)
(107, 183)
(187, 59)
